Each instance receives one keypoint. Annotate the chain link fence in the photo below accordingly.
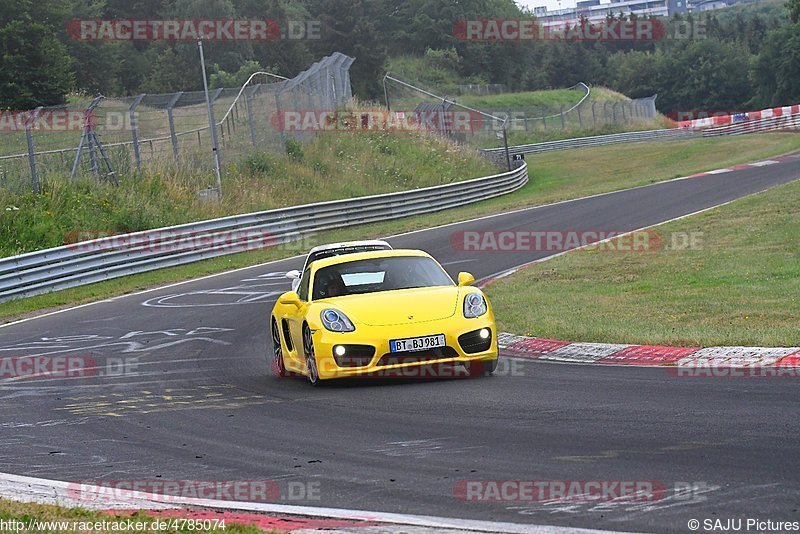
(580, 112)
(110, 138)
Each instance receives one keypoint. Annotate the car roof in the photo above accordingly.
(334, 260)
(345, 244)
(335, 249)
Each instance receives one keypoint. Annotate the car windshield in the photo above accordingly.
(379, 274)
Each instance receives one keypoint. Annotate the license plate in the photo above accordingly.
(417, 343)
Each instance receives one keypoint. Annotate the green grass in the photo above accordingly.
(28, 512)
(522, 100)
(554, 176)
(331, 166)
(740, 284)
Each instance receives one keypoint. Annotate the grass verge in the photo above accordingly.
(739, 284)
(554, 176)
(49, 518)
(331, 166)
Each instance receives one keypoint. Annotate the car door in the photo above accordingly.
(295, 317)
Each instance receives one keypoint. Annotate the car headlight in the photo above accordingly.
(336, 321)
(474, 305)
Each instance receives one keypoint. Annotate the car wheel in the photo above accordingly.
(278, 365)
(311, 360)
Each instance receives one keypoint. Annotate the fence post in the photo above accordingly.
(281, 122)
(544, 118)
(594, 117)
(31, 154)
(614, 113)
(134, 131)
(88, 127)
(562, 117)
(172, 135)
(93, 157)
(248, 106)
(580, 119)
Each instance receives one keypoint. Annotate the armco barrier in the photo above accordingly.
(596, 140)
(764, 124)
(725, 120)
(111, 257)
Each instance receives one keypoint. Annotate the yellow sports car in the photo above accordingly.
(368, 313)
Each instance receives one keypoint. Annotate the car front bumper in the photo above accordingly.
(383, 362)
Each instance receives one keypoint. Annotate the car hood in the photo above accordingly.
(402, 306)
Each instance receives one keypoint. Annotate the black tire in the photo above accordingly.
(277, 363)
(311, 359)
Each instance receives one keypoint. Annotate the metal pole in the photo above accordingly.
(171, 119)
(248, 106)
(505, 143)
(211, 126)
(135, 132)
(31, 154)
(386, 93)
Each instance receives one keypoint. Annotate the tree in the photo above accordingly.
(348, 27)
(776, 72)
(794, 10)
(35, 68)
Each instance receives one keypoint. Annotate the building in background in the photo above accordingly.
(594, 11)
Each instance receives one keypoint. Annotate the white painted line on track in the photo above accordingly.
(43, 491)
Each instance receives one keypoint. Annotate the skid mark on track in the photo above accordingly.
(420, 448)
(676, 494)
(617, 453)
(133, 341)
(207, 397)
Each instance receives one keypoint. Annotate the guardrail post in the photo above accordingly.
(135, 131)
(31, 153)
(172, 135)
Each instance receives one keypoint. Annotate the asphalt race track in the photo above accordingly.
(195, 399)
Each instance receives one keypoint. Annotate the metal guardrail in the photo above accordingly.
(86, 262)
(766, 124)
(596, 140)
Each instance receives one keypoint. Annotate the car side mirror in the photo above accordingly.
(294, 275)
(465, 279)
(290, 298)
